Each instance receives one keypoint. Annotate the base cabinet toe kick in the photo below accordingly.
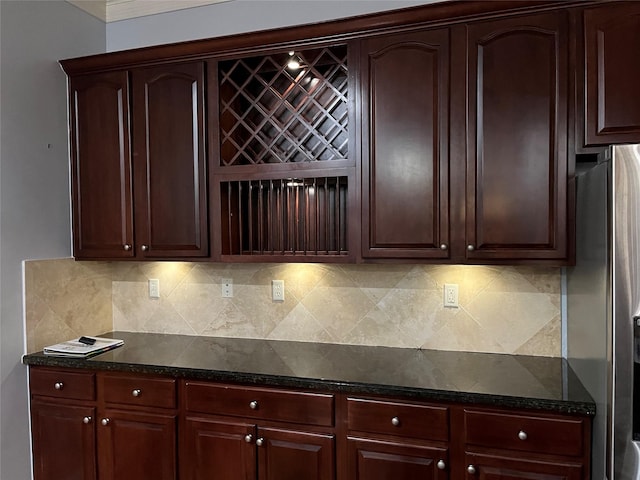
(103, 425)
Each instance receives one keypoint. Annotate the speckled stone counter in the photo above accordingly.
(529, 382)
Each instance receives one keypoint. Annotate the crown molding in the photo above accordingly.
(115, 10)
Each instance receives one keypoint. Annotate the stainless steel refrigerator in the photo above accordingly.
(603, 307)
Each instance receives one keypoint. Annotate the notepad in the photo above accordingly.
(75, 348)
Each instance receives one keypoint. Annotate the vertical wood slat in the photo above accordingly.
(286, 216)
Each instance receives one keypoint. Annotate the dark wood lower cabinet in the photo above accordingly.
(294, 455)
(136, 445)
(138, 427)
(512, 467)
(63, 439)
(218, 449)
(383, 460)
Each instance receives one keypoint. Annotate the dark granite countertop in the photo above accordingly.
(540, 383)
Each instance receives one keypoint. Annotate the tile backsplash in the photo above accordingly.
(501, 309)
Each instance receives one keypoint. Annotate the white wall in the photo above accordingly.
(34, 180)
(237, 16)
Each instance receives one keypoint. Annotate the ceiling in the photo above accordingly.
(114, 10)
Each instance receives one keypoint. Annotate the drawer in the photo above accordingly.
(62, 383)
(396, 418)
(560, 436)
(138, 390)
(260, 403)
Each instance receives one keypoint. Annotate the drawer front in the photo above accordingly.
(558, 436)
(62, 383)
(260, 403)
(395, 418)
(138, 390)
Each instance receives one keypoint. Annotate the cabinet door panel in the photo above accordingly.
(383, 460)
(63, 445)
(510, 467)
(135, 445)
(517, 148)
(292, 455)
(405, 148)
(612, 43)
(101, 166)
(218, 450)
(171, 194)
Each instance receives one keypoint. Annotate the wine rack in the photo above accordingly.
(272, 113)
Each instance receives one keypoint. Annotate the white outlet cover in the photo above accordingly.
(154, 288)
(277, 290)
(227, 288)
(450, 295)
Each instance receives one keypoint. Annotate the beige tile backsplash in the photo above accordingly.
(502, 309)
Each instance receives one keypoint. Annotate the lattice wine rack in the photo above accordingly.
(273, 113)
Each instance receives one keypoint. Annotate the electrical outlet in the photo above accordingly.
(450, 295)
(277, 290)
(227, 287)
(154, 288)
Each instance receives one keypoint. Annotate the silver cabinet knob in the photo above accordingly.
(86, 420)
(144, 248)
(248, 438)
(127, 247)
(471, 248)
(443, 246)
(58, 385)
(136, 392)
(471, 469)
(395, 421)
(260, 441)
(105, 421)
(441, 465)
(522, 435)
(253, 405)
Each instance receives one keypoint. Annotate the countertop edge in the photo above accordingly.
(424, 394)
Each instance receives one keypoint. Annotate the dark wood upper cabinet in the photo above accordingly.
(612, 69)
(405, 162)
(169, 153)
(102, 195)
(442, 133)
(517, 151)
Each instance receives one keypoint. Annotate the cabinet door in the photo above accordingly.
(517, 164)
(63, 439)
(135, 445)
(293, 455)
(169, 157)
(101, 166)
(214, 449)
(511, 467)
(405, 204)
(383, 460)
(612, 56)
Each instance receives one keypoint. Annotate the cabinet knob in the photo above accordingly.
(136, 392)
(105, 421)
(86, 420)
(260, 441)
(253, 405)
(471, 470)
(471, 248)
(522, 435)
(395, 421)
(127, 247)
(441, 465)
(248, 438)
(58, 385)
(144, 248)
(443, 246)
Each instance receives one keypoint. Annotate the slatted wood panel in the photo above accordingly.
(295, 216)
